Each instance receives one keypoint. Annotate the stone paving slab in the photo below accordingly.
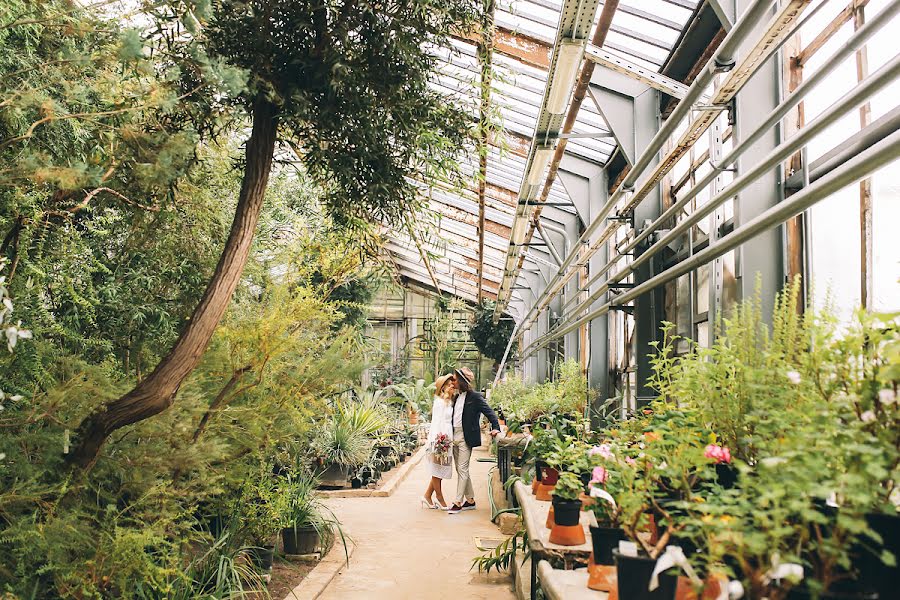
(404, 551)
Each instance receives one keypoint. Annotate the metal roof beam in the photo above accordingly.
(621, 65)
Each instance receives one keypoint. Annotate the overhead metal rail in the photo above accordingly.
(828, 117)
(737, 75)
(723, 58)
(883, 153)
(619, 64)
(576, 18)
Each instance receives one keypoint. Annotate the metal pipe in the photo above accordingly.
(755, 57)
(723, 57)
(860, 167)
(550, 247)
(509, 344)
(859, 37)
(855, 97)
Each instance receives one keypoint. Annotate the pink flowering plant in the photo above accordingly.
(607, 474)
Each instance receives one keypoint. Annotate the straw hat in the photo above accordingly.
(440, 381)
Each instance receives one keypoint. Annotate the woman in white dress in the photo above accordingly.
(441, 422)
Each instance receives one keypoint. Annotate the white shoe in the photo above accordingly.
(429, 505)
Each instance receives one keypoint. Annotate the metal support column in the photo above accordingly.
(648, 309)
(762, 256)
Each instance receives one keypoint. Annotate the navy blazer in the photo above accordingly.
(473, 407)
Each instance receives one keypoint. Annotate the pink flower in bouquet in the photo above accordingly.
(630, 461)
(599, 475)
(602, 450)
(720, 454)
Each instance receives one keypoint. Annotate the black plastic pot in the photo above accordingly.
(263, 557)
(633, 575)
(355, 483)
(874, 575)
(586, 482)
(605, 540)
(566, 512)
(800, 593)
(300, 540)
(727, 475)
(539, 469)
(334, 476)
(383, 451)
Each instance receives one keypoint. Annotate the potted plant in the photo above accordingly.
(605, 536)
(302, 514)
(567, 530)
(339, 448)
(259, 519)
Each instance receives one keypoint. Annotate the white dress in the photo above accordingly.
(441, 422)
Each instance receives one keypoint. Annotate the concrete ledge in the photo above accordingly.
(566, 585)
(328, 568)
(394, 478)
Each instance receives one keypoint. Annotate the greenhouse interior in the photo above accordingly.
(259, 257)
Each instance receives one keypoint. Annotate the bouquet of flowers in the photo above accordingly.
(440, 449)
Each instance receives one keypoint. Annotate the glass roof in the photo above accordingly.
(643, 32)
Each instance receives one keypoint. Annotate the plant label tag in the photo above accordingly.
(628, 548)
(592, 519)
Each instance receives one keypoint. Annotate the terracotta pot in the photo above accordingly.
(544, 492)
(534, 485)
(567, 531)
(601, 578)
(549, 523)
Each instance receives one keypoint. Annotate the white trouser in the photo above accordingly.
(462, 454)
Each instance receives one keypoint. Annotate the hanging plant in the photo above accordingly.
(491, 338)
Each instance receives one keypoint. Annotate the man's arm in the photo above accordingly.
(488, 412)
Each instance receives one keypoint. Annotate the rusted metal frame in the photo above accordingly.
(722, 96)
(452, 260)
(485, 50)
(842, 18)
(866, 225)
(794, 122)
(587, 70)
(696, 164)
(524, 48)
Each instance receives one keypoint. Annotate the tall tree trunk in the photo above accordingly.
(157, 392)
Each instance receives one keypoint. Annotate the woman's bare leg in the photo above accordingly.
(429, 490)
(436, 486)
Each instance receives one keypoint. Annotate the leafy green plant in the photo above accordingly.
(491, 338)
(339, 443)
(224, 571)
(501, 557)
(569, 486)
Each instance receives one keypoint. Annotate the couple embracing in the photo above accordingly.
(455, 431)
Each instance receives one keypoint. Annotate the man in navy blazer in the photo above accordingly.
(467, 410)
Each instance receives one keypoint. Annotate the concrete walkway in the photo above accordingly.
(404, 551)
